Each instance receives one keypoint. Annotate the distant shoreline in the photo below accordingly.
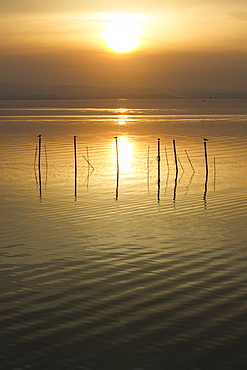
(69, 92)
(122, 98)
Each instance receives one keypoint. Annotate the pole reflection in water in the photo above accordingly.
(180, 163)
(175, 188)
(191, 178)
(90, 167)
(182, 170)
(205, 191)
(117, 185)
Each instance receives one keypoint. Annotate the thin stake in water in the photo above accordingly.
(176, 177)
(206, 155)
(46, 166)
(117, 168)
(39, 168)
(190, 161)
(181, 168)
(168, 170)
(88, 158)
(158, 158)
(175, 156)
(167, 162)
(148, 169)
(214, 173)
(34, 166)
(117, 154)
(39, 154)
(35, 156)
(89, 164)
(206, 179)
(187, 188)
(180, 164)
(75, 158)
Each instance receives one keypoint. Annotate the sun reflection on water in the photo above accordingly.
(125, 155)
(122, 110)
(123, 117)
(122, 120)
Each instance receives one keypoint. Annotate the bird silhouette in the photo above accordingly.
(205, 139)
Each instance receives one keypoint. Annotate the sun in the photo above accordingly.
(122, 35)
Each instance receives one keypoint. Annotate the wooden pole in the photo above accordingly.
(46, 158)
(206, 179)
(180, 164)
(190, 161)
(35, 156)
(117, 154)
(39, 168)
(75, 158)
(117, 168)
(34, 166)
(175, 156)
(88, 159)
(148, 169)
(214, 173)
(39, 153)
(167, 162)
(89, 164)
(206, 155)
(46, 166)
(158, 157)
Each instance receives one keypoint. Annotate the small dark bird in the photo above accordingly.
(39, 135)
(205, 139)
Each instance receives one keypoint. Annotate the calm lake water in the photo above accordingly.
(141, 268)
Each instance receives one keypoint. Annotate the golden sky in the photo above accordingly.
(180, 43)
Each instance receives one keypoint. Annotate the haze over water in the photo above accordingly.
(101, 271)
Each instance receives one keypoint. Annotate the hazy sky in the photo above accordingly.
(183, 43)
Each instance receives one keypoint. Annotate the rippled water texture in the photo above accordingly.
(123, 263)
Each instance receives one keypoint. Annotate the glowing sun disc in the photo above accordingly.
(122, 36)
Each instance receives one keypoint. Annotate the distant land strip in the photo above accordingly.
(22, 91)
